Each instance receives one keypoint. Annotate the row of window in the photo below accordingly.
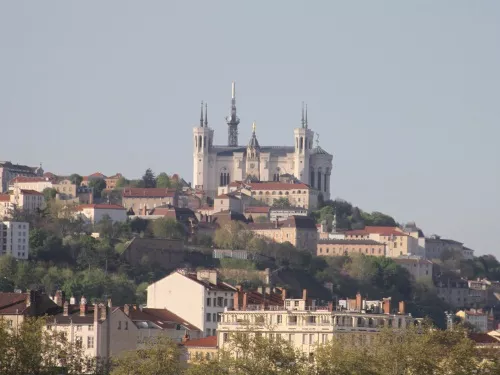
(219, 302)
(214, 317)
(346, 250)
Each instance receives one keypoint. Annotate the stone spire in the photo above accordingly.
(303, 122)
(206, 116)
(233, 120)
(201, 115)
(306, 118)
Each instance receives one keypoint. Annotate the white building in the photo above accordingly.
(94, 213)
(14, 239)
(478, 318)
(280, 214)
(305, 324)
(418, 267)
(200, 297)
(215, 166)
(31, 183)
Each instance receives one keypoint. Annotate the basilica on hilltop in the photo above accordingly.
(218, 165)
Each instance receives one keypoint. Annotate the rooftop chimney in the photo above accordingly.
(58, 298)
(207, 275)
(96, 312)
(359, 302)
(126, 310)
(110, 305)
(66, 309)
(245, 300)
(402, 307)
(304, 294)
(103, 310)
(72, 300)
(387, 305)
(83, 306)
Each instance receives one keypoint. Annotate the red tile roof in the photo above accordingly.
(10, 303)
(257, 210)
(30, 192)
(4, 198)
(271, 185)
(205, 342)
(483, 338)
(148, 193)
(97, 175)
(384, 231)
(100, 207)
(29, 179)
(163, 318)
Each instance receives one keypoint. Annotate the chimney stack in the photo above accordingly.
(72, 300)
(66, 309)
(103, 310)
(304, 294)
(83, 306)
(402, 307)
(387, 305)
(359, 302)
(185, 338)
(236, 300)
(245, 300)
(126, 310)
(110, 305)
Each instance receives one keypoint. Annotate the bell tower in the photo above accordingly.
(253, 157)
(303, 146)
(202, 143)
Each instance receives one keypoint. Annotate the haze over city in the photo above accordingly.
(405, 95)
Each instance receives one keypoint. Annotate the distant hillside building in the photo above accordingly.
(8, 171)
(136, 199)
(334, 247)
(14, 239)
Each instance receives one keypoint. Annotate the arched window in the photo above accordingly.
(224, 177)
(319, 179)
(312, 177)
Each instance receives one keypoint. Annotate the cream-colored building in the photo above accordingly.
(297, 193)
(65, 189)
(27, 200)
(199, 349)
(199, 298)
(136, 199)
(300, 231)
(419, 268)
(14, 239)
(30, 183)
(396, 240)
(305, 324)
(334, 247)
(94, 213)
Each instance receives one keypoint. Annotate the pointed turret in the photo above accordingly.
(253, 157)
(254, 143)
(233, 120)
(206, 115)
(303, 122)
(201, 115)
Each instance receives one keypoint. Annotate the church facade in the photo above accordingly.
(215, 166)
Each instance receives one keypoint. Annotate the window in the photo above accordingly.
(209, 300)
(90, 327)
(126, 325)
(225, 302)
(219, 317)
(208, 331)
(90, 342)
(304, 339)
(49, 327)
(78, 328)
(119, 325)
(279, 319)
(214, 317)
(208, 317)
(78, 341)
(220, 301)
(215, 302)
(214, 332)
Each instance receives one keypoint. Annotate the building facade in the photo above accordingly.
(215, 166)
(8, 171)
(94, 213)
(477, 318)
(14, 239)
(300, 231)
(137, 199)
(419, 268)
(199, 297)
(335, 247)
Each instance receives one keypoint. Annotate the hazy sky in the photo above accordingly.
(405, 94)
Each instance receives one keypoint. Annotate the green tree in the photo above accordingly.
(282, 202)
(98, 184)
(122, 182)
(76, 179)
(163, 181)
(49, 194)
(168, 228)
(137, 183)
(160, 356)
(149, 179)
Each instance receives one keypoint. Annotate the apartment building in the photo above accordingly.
(435, 246)
(30, 183)
(94, 213)
(8, 171)
(65, 189)
(477, 318)
(198, 297)
(300, 231)
(297, 193)
(454, 292)
(27, 200)
(340, 247)
(305, 324)
(14, 239)
(112, 180)
(419, 268)
(396, 240)
(15, 307)
(136, 199)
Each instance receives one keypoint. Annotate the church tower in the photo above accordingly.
(233, 120)
(202, 142)
(303, 146)
(253, 157)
